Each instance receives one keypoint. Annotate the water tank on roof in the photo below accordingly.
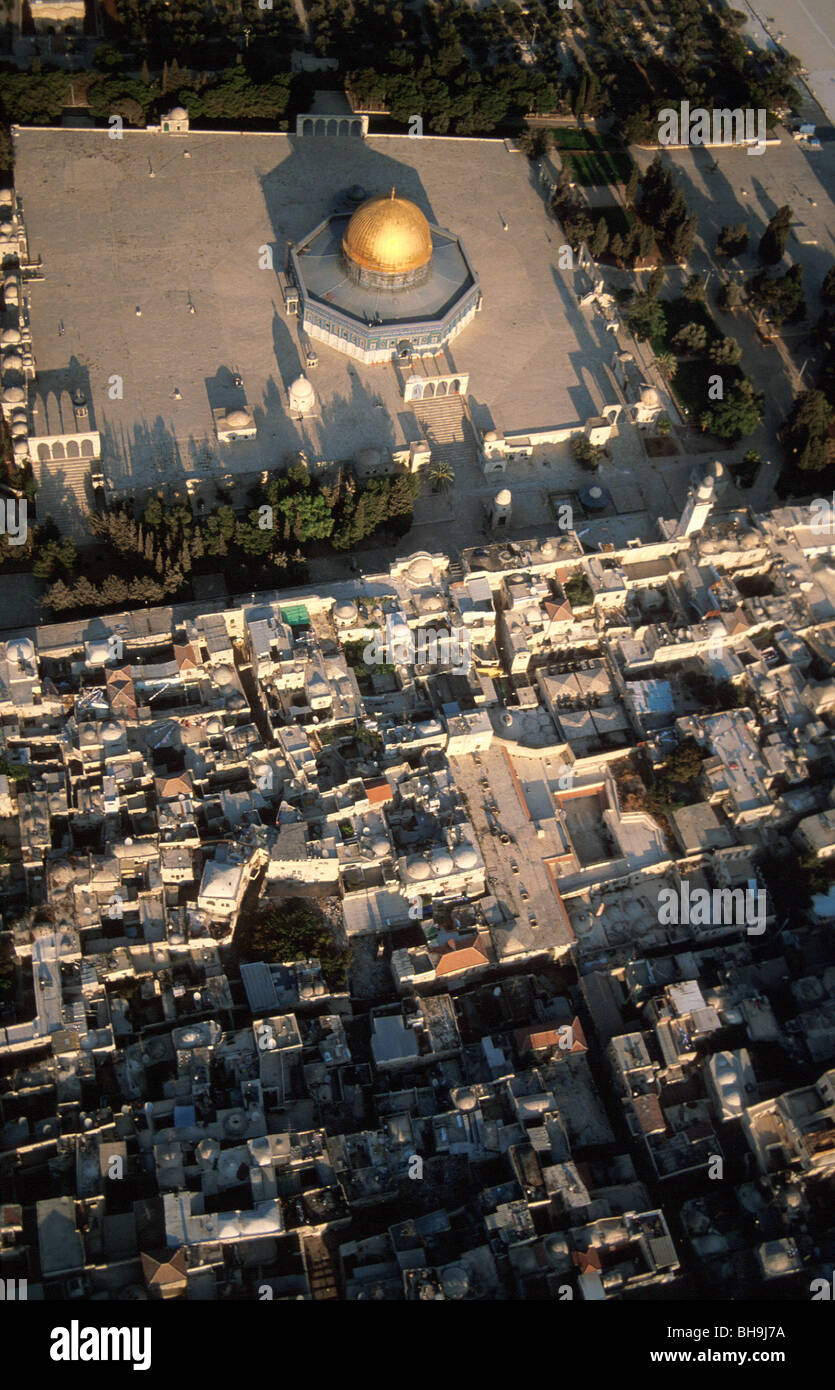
(206, 1152)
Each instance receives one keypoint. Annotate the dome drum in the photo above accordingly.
(386, 280)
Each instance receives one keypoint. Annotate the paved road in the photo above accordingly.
(807, 29)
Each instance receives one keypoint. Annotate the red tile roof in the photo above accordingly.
(378, 789)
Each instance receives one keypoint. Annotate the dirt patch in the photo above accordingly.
(660, 446)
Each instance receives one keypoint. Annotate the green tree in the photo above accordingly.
(588, 455)
(645, 242)
(737, 415)
(807, 434)
(773, 241)
(780, 296)
(682, 237)
(666, 364)
(600, 240)
(577, 225)
(441, 475)
(695, 289)
(691, 339)
(654, 283)
(730, 295)
(632, 182)
(54, 557)
(308, 517)
(646, 319)
(732, 240)
(726, 352)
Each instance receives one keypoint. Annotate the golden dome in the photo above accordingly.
(389, 235)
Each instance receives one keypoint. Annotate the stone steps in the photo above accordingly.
(64, 494)
(447, 429)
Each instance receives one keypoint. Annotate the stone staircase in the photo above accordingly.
(64, 493)
(447, 429)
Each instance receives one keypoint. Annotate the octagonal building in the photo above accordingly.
(383, 283)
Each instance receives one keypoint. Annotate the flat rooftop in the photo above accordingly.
(114, 239)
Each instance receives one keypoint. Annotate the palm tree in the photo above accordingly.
(666, 364)
(441, 475)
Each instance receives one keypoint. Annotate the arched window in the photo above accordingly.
(333, 127)
(73, 451)
(321, 127)
(58, 450)
(43, 453)
(87, 448)
(344, 127)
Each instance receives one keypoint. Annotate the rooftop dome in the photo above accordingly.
(420, 568)
(178, 113)
(20, 649)
(389, 235)
(10, 335)
(441, 862)
(238, 419)
(465, 857)
(301, 393)
(650, 396)
(503, 498)
(417, 868)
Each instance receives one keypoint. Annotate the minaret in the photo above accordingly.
(700, 499)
